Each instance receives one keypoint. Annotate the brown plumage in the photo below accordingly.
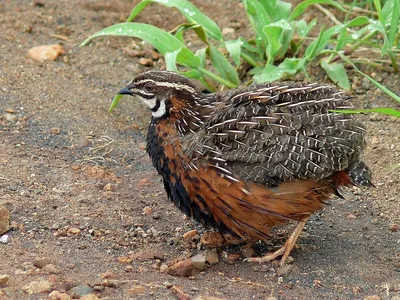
(248, 159)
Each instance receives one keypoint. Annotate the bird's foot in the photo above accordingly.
(271, 256)
(285, 249)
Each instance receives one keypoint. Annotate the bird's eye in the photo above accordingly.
(149, 87)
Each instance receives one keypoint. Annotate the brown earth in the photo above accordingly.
(83, 195)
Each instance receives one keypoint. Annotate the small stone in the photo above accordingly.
(230, 258)
(211, 257)
(282, 271)
(163, 268)
(228, 30)
(137, 289)
(147, 210)
(190, 234)
(351, 216)
(45, 52)
(74, 230)
(4, 279)
(4, 220)
(54, 130)
(40, 262)
(39, 286)
(212, 239)
(182, 268)
(248, 252)
(199, 261)
(128, 269)
(108, 187)
(394, 227)
(373, 297)
(10, 110)
(52, 269)
(155, 55)
(148, 62)
(56, 295)
(179, 293)
(80, 291)
(89, 297)
(4, 239)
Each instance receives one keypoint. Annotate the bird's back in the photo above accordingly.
(272, 133)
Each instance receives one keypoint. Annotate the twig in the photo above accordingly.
(332, 17)
(356, 9)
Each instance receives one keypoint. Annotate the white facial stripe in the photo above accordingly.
(168, 84)
(160, 111)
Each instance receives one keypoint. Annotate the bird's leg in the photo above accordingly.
(285, 249)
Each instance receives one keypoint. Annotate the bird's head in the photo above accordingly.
(165, 93)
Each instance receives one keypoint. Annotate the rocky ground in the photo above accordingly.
(88, 215)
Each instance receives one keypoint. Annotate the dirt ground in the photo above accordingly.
(85, 201)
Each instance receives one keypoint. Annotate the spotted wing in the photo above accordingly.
(273, 133)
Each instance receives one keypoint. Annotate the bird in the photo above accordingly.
(248, 159)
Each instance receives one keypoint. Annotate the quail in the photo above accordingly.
(248, 159)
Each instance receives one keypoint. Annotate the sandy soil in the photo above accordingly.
(84, 198)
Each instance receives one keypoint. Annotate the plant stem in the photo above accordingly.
(249, 59)
(216, 77)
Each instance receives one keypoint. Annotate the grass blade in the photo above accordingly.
(160, 39)
(299, 9)
(191, 13)
(336, 73)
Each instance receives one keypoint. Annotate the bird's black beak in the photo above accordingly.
(126, 91)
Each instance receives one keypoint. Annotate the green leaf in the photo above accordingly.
(170, 60)
(381, 110)
(258, 17)
(234, 48)
(272, 73)
(299, 9)
(336, 73)
(223, 67)
(275, 35)
(314, 49)
(114, 102)
(160, 39)
(190, 11)
(303, 29)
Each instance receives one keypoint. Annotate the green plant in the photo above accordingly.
(282, 43)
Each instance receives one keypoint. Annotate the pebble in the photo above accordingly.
(211, 257)
(282, 271)
(190, 234)
(230, 258)
(40, 262)
(56, 295)
(163, 268)
(147, 210)
(137, 289)
(148, 62)
(54, 130)
(4, 279)
(74, 230)
(38, 286)
(4, 220)
(183, 268)
(212, 239)
(89, 297)
(373, 297)
(45, 52)
(179, 293)
(5, 239)
(394, 227)
(52, 269)
(228, 30)
(199, 261)
(80, 291)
